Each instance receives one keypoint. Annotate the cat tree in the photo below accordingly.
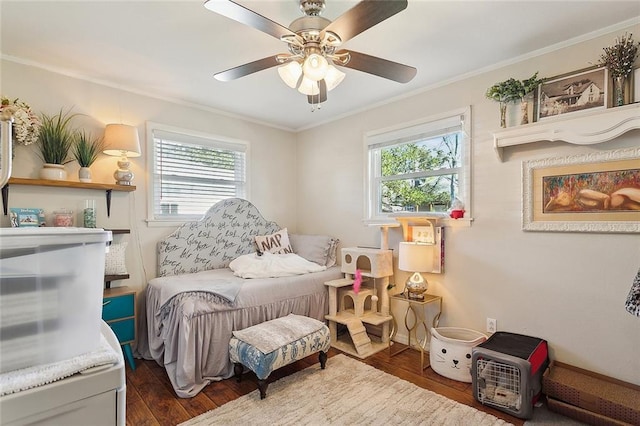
(369, 306)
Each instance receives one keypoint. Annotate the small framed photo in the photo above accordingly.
(26, 217)
(422, 234)
(586, 89)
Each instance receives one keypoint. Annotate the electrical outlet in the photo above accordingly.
(492, 325)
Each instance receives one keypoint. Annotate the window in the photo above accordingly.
(418, 168)
(191, 172)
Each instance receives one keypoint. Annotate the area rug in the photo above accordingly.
(347, 392)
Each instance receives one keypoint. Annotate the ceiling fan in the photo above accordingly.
(314, 44)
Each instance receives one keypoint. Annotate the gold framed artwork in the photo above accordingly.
(595, 192)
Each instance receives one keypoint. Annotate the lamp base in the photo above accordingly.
(416, 296)
(123, 175)
(416, 286)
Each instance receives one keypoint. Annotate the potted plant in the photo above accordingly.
(506, 91)
(619, 60)
(54, 143)
(528, 86)
(85, 150)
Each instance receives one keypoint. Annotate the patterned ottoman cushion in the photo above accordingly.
(266, 347)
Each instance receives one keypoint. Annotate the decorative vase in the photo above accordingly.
(525, 109)
(503, 115)
(53, 172)
(89, 214)
(513, 114)
(84, 174)
(619, 83)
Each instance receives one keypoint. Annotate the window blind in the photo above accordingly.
(192, 173)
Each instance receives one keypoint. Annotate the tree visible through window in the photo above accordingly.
(420, 176)
(419, 168)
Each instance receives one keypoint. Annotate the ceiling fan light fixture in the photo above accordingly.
(308, 87)
(333, 78)
(315, 67)
(290, 73)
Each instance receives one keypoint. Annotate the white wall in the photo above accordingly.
(568, 288)
(272, 171)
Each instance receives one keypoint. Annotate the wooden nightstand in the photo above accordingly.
(119, 311)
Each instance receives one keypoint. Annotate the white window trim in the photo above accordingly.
(402, 130)
(151, 161)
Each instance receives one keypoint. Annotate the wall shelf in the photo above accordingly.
(580, 128)
(108, 188)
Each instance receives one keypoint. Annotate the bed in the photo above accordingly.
(197, 300)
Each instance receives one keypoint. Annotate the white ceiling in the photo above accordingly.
(171, 49)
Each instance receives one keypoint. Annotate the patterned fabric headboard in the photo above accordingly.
(225, 232)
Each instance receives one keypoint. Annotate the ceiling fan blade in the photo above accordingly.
(249, 68)
(378, 66)
(241, 14)
(363, 16)
(320, 97)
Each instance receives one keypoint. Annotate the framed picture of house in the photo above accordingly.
(595, 192)
(578, 91)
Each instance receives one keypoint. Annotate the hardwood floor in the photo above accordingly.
(152, 401)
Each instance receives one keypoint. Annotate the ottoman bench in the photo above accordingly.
(270, 345)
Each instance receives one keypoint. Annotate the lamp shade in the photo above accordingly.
(121, 139)
(290, 73)
(333, 78)
(315, 67)
(415, 257)
(308, 87)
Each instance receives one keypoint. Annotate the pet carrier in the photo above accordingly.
(507, 370)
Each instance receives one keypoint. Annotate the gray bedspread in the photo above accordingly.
(189, 327)
(219, 282)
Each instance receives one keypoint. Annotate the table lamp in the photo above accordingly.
(122, 141)
(416, 258)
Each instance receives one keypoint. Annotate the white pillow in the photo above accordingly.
(277, 243)
(114, 260)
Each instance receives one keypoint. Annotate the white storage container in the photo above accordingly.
(450, 351)
(51, 282)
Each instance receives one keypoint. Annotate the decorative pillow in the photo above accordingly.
(320, 249)
(114, 259)
(332, 257)
(277, 243)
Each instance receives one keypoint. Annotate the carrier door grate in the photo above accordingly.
(499, 384)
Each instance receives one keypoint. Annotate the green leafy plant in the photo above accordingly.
(506, 91)
(530, 84)
(86, 148)
(56, 138)
(512, 90)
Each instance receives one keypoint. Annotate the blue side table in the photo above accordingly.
(119, 311)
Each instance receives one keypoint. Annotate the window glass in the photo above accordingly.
(418, 168)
